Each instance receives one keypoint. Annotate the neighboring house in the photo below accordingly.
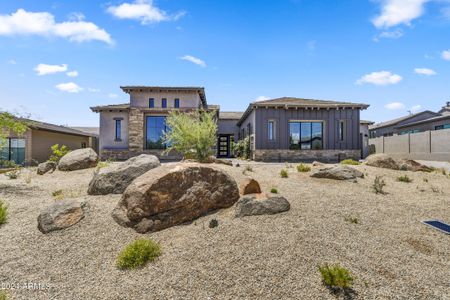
(279, 129)
(34, 145)
(364, 131)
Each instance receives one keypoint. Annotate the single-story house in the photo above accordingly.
(278, 129)
(34, 145)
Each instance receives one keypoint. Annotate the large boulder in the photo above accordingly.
(174, 194)
(46, 167)
(251, 206)
(115, 178)
(338, 172)
(60, 215)
(382, 160)
(249, 186)
(78, 159)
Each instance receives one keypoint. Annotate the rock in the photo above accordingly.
(171, 195)
(249, 186)
(317, 164)
(46, 167)
(222, 161)
(250, 206)
(61, 215)
(78, 159)
(412, 165)
(338, 172)
(115, 178)
(382, 161)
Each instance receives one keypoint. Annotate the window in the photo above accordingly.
(156, 126)
(176, 103)
(13, 149)
(410, 131)
(83, 145)
(271, 130)
(440, 127)
(341, 130)
(118, 130)
(151, 103)
(163, 102)
(305, 135)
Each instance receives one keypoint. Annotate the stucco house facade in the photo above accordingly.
(279, 129)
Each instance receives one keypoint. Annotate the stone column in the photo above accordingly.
(136, 130)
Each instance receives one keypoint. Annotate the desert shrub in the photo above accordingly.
(242, 148)
(58, 194)
(191, 134)
(138, 253)
(435, 189)
(352, 220)
(3, 295)
(274, 190)
(14, 174)
(378, 185)
(3, 213)
(404, 178)
(284, 173)
(213, 223)
(58, 152)
(7, 164)
(303, 168)
(350, 162)
(425, 180)
(336, 276)
(248, 168)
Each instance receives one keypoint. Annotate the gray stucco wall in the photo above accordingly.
(330, 119)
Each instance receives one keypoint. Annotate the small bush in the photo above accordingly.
(138, 253)
(274, 191)
(378, 185)
(242, 148)
(58, 152)
(248, 168)
(404, 178)
(3, 213)
(336, 276)
(213, 223)
(3, 295)
(14, 174)
(425, 180)
(437, 190)
(303, 168)
(350, 162)
(58, 194)
(7, 163)
(284, 173)
(352, 220)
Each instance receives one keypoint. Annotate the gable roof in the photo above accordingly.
(401, 119)
(56, 128)
(140, 88)
(230, 115)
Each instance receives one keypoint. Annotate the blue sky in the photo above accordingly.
(58, 58)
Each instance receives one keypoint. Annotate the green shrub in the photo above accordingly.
(3, 295)
(8, 164)
(336, 276)
(274, 190)
(58, 152)
(303, 168)
(58, 194)
(404, 178)
(352, 220)
(378, 185)
(213, 223)
(14, 174)
(138, 253)
(3, 213)
(242, 148)
(284, 173)
(350, 162)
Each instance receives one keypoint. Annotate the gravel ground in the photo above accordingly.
(391, 254)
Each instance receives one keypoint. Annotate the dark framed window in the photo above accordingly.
(163, 102)
(13, 149)
(305, 135)
(118, 136)
(151, 103)
(271, 130)
(341, 130)
(176, 103)
(155, 129)
(83, 145)
(440, 127)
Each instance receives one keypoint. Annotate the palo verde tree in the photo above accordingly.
(10, 123)
(191, 134)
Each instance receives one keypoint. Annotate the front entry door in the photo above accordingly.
(223, 146)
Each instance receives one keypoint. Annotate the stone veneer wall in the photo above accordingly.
(136, 130)
(282, 155)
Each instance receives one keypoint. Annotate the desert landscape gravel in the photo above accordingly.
(389, 252)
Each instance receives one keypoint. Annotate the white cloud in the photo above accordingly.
(72, 73)
(44, 69)
(93, 90)
(415, 108)
(395, 106)
(396, 12)
(142, 10)
(380, 78)
(446, 54)
(23, 22)
(394, 34)
(113, 96)
(194, 60)
(424, 71)
(261, 98)
(69, 87)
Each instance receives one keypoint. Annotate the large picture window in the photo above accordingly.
(305, 135)
(156, 126)
(13, 150)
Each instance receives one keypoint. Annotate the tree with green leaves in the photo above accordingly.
(191, 134)
(10, 123)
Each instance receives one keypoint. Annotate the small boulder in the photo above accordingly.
(412, 165)
(382, 160)
(317, 163)
(250, 206)
(61, 215)
(78, 159)
(338, 172)
(249, 186)
(46, 167)
(115, 178)
(168, 196)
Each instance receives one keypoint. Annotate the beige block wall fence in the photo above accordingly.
(427, 145)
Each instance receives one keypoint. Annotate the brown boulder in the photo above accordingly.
(174, 194)
(61, 215)
(249, 186)
(382, 161)
(412, 165)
